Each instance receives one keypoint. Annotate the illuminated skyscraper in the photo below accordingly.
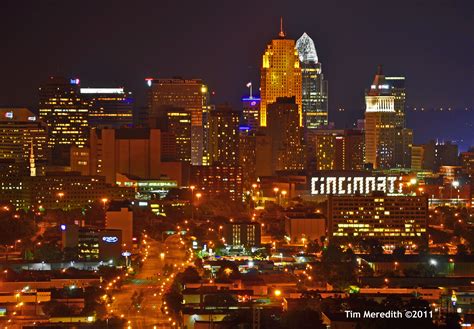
(280, 75)
(108, 107)
(387, 142)
(337, 149)
(251, 112)
(224, 136)
(176, 124)
(286, 135)
(23, 139)
(190, 94)
(315, 88)
(66, 114)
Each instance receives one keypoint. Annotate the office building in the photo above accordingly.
(23, 142)
(108, 107)
(224, 136)
(189, 94)
(437, 154)
(175, 126)
(251, 112)
(467, 162)
(314, 87)
(246, 234)
(304, 228)
(397, 87)
(286, 134)
(66, 114)
(247, 158)
(63, 190)
(417, 155)
(280, 75)
(93, 244)
(336, 149)
(129, 151)
(147, 189)
(119, 216)
(392, 220)
(387, 142)
(218, 181)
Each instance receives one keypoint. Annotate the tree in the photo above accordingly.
(13, 229)
(48, 252)
(189, 275)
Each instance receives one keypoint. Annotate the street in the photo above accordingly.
(151, 283)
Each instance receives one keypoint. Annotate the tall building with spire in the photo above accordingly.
(387, 141)
(314, 87)
(280, 74)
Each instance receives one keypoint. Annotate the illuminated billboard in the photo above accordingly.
(344, 185)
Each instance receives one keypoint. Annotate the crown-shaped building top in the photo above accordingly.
(306, 49)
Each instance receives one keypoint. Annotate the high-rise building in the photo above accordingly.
(248, 157)
(337, 149)
(108, 107)
(190, 94)
(280, 75)
(251, 112)
(467, 162)
(129, 151)
(224, 136)
(417, 156)
(315, 88)
(286, 134)
(437, 154)
(397, 87)
(23, 140)
(392, 220)
(387, 142)
(175, 125)
(62, 108)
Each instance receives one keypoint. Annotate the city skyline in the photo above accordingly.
(349, 59)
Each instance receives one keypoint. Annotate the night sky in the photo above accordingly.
(119, 43)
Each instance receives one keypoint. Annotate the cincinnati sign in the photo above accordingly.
(355, 185)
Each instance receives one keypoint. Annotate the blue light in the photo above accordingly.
(63, 227)
(244, 128)
(248, 99)
(74, 81)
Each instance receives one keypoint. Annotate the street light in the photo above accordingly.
(104, 201)
(192, 187)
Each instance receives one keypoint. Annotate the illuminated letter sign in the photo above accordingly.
(110, 239)
(355, 185)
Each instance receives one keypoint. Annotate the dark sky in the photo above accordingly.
(109, 43)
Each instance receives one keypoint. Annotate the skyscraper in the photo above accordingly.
(108, 107)
(224, 136)
(177, 124)
(387, 141)
(315, 88)
(23, 139)
(280, 75)
(338, 149)
(66, 114)
(190, 94)
(286, 134)
(251, 112)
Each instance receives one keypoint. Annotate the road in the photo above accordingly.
(150, 282)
